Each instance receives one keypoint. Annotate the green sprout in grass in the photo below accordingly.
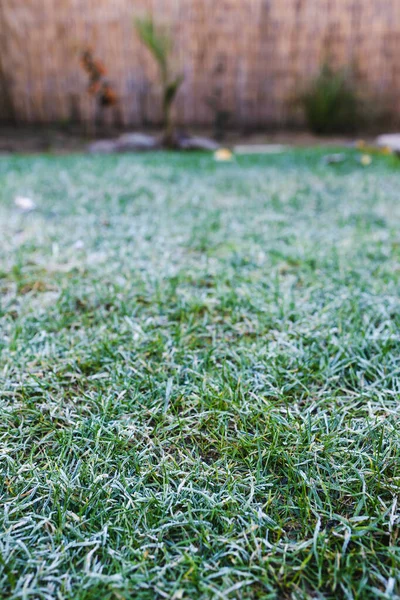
(159, 42)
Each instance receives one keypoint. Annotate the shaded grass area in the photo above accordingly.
(200, 378)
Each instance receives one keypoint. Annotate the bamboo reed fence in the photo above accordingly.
(254, 55)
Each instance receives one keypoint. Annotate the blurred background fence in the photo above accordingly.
(250, 58)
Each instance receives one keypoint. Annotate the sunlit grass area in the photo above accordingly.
(200, 377)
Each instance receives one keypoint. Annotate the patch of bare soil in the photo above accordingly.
(27, 140)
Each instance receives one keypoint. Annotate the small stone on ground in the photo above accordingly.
(260, 148)
(136, 142)
(102, 147)
(198, 143)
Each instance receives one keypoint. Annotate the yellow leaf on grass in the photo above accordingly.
(365, 160)
(223, 155)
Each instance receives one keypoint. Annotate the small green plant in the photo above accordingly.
(158, 41)
(330, 104)
(221, 117)
(7, 112)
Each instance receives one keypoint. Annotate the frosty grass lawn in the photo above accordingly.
(200, 378)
